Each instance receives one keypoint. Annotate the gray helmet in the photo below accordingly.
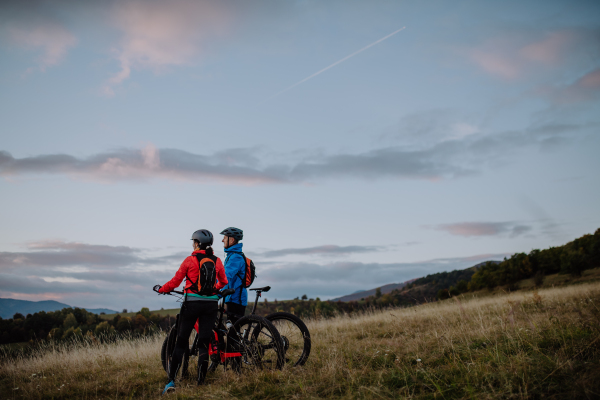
(235, 233)
(203, 236)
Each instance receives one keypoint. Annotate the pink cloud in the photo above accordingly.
(52, 39)
(159, 34)
(548, 50)
(512, 57)
(586, 88)
(146, 164)
(591, 80)
(496, 64)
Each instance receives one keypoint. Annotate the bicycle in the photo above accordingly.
(252, 342)
(293, 331)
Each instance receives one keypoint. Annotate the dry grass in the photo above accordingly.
(521, 345)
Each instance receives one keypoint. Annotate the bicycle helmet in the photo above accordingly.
(235, 233)
(203, 236)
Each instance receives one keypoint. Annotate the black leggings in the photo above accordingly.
(205, 312)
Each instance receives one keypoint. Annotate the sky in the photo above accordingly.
(356, 143)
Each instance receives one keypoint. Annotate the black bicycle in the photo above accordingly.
(294, 333)
(252, 342)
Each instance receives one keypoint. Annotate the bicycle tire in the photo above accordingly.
(259, 342)
(163, 353)
(295, 337)
(166, 352)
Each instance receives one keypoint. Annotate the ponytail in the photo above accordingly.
(207, 248)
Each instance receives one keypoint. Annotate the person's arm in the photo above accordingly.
(176, 281)
(221, 276)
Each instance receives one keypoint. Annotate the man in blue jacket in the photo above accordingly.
(235, 268)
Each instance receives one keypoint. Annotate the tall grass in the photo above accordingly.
(519, 345)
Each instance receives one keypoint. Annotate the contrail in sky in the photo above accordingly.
(337, 62)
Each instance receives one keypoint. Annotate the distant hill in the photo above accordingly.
(420, 289)
(371, 292)
(9, 307)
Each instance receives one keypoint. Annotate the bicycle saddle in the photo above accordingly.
(227, 292)
(262, 289)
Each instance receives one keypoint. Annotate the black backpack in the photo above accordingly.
(207, 276)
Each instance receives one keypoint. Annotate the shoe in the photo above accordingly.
(169, 388)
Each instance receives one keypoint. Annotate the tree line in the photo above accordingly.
(570, 259)
(71, 323)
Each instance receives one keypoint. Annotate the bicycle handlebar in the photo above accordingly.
(223, 293)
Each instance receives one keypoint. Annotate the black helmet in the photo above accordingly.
(203, 236)
(235, 233)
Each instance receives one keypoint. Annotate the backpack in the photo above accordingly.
(207, 275)
(249, 272)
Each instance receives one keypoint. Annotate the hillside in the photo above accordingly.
(526, 344)
(9, 307)
(361, 294)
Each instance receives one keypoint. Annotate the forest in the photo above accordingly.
(71, 323)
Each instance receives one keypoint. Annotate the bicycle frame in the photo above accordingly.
(220, 331)
(215, 349)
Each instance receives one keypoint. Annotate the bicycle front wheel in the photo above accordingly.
(166, 352)
(294, 336)
(259, 343)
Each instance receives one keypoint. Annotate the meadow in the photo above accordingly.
(526, 344)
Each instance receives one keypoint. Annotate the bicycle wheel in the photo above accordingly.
(294, 336)
(166, 352)
(259, 343)
(168, 345)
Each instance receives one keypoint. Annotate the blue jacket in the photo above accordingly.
(235, 267)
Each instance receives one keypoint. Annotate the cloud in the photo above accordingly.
(446, 159)
(52, 40)
(143, 164)
(159, 34)
(67, 254)
(548, 226)
(469, 229)
(584, 89)
(152, 163)
(328, 250)
(84, 274)
(519, 53)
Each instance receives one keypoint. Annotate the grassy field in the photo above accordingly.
(520, 345)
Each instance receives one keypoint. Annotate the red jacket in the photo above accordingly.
(190, 267)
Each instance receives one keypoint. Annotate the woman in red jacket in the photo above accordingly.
(200, 307)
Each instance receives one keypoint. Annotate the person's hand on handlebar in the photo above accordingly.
(156, 288)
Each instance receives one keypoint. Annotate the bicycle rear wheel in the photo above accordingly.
(294, 336)
(259, 343)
